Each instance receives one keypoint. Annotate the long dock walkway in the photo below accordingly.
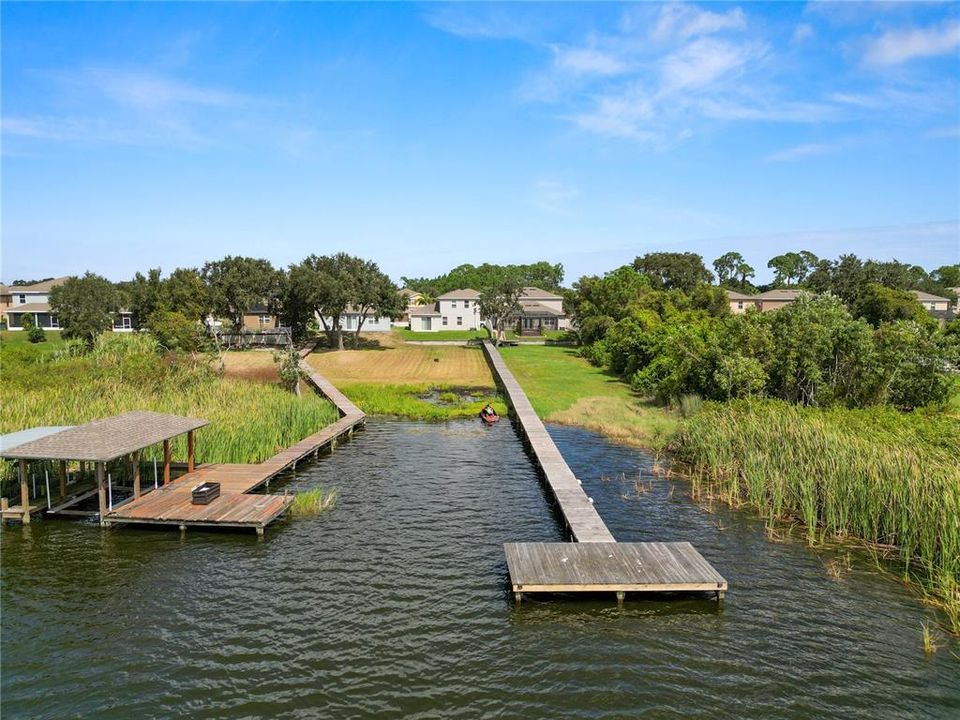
(595, 561)
(236, 507)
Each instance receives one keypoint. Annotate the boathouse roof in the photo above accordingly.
(103, 440)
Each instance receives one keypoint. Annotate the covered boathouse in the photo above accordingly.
(99, 442)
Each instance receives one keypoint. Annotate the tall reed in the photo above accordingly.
(249, 422)
(884, 477)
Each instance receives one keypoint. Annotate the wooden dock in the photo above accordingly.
(610, 567)
(582, 520)
(594, 561)
(236, 507)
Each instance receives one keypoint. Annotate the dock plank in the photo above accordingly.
(614, 567)
(236, 506)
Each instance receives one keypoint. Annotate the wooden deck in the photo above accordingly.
(610, 567)
(582, 520)
(595, 561)
(236, 507)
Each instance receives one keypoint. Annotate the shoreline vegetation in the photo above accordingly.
(249, 422)
(888, 479)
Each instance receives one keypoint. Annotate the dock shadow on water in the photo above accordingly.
(395, 604)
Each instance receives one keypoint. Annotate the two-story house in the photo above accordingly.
(455, 310)
(34, 300)
(542, 311)
(764, 302)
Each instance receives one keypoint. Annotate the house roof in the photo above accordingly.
(927, 297)
(461, 294)
(29, 307)
(409, 293)
(423, 311)
(734, 295)
(106, 439)
(535, 308)
(535, 293)
(45, 286)
(780, 294)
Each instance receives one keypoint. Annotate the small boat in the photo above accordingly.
(489, 419)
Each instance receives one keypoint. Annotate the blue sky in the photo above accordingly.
(425, 136)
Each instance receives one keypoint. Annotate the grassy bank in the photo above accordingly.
(564, 388)
(413, 381)
(887, 478)
(249, 421)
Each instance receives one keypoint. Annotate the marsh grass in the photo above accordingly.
(877, 476)
(410, 401)
(249, 422)
(308, 503)
(929, 636)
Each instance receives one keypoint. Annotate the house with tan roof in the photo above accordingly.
(460, 310)
(34, 300)
(930, 302)
(764, 302)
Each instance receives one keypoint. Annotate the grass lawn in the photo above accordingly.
(441, 334)
(425, 382)
(15, 341)
(564, 388)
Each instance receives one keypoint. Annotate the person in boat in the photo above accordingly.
(488, 411)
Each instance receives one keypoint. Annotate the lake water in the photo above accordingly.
(396, 604)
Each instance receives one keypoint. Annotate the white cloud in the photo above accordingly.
(899, 46)
(687, 21)
(587, 61)
(803, 32)
(703, 61)
(799, 151)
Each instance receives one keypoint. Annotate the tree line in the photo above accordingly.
(659, 324)
(175, 308)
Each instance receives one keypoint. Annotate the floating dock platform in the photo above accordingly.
(594, 561)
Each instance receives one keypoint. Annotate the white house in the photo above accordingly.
(351, 319)
(460, 310)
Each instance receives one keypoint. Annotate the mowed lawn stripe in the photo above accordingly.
(406, 364)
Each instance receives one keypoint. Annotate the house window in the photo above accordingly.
(453, 303)
(54, 323)
(740, 305)
(23, 299)
(264, 320)
(466, 303)
(444, 321)
(459, 320)
(127, 322)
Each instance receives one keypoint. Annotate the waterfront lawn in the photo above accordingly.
(441, 335)
(425, 382)
(16, 345)
(564, 388)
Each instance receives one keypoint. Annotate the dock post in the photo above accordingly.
(620, 597)
(136, 474)
(4, 504)
(259, 532)
(719, 597)
(518, 597)
(63, 480)
(333, 446)
(101, 494)
(190, 451)
(166, 462)
(24, 494)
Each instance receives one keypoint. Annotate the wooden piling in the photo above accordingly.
(24, 494)
(166, 462)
